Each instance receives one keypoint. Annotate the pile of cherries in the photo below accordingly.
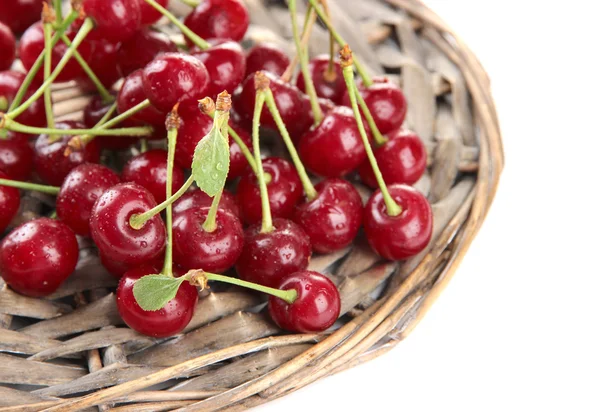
(147, 220)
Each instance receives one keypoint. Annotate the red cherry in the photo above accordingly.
(115, 20)
(267, 258)
(16, 157)
(226, 65)
(399, 237)
(168, 321)
(118, 269)
(149, 14)
(141, 49)
(402, 159)
(8, 47)
(36, 257)
(20, 14)
(10, 200)
(328, 88)
(266, 57)
(103, 62)
(316, 307)
(149, 170)
(197, 199)
(223, 19)
(78, 193)
(10, 82)
(131, 94)
(285, 191)
(333, 219)
(93, 113)
(334, 148)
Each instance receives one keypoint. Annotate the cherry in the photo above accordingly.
(285, 191)
(7, 47)
(149, 170)
(16, 157)
(10, 200)
(78, 193)
(226, 65)
(118, 269)
(36, 257)
(20, 14)
(103, 62)
(398, 237)
(334, 148)
(49, 159)
(332, 88)
(197, 199)
(402, 159)
(115, 20)
(10, 82)
(168, 321)
(223, 19)
(316, 308)
(149, 14)
(95, 110)
(333, 219)
(267, 258)
(131, 94)
(141, 49)
(175, 78)
(266, 57)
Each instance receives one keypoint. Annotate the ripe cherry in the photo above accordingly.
(103, 62)
(168, 321)
(36, 257)
(10, 200)
(118, 269)
(398, 237)
(226, 65)
(20, 14)
(267, 258)
(284, 188)
(333, 219)
(197, 199)
(316, 307)
(78, 193)
(111, 229)
(402, 159)
(16, 157)
(131, 94)
(141, 49)
(222, 19)
(266, 57)
(115, 20)
(149, 170)
(8, 47)
(328, 85)
(93, 113)
(10, 82)
(149, 14)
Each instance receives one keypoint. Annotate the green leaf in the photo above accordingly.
(211, 162)
(153, 292)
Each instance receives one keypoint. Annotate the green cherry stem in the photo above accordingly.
(380, 140)
(50, 190)
(191, 3)
(111, 110)
(309, 21)
(48, 64)
(58, 11)
(330, 74)
(197, 40)
(393, 209)
(3, 104)
(143, 145)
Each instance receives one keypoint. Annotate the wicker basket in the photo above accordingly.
(65, 354)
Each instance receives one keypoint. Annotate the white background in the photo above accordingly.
(517, 328)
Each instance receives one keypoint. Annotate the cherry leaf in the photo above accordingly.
(211, 162)
(153, 292)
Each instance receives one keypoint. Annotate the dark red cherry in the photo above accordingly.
(402, 159)
(334, 148)
(16, 157)
(103, 63)
(118, 269)
(10, 82)
(20, 14)
(141, 49)
(8, 47)
(168, 321)
(78, 193)
(285, 191)
(195, 248)
(111, 230)
(266, 57)
(49, 160)
(222, 19)
(131, 94)
(10, 200)
(328, 85)
(326, 106)
(398, 237)
(197, 198)
(226, 65)
(267, 258)
(333, 219)
(115, 20)
(149, 14)
(93, 113)
(316, 307)
(36, 257)
(149, 170)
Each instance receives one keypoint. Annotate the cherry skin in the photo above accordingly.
(115, 20)
(131, 94)
(168, 321)
(103, 62)
(198, 199)
(266, 57)
(10, 200)
(118, 269)
(223, 19)
(285, 191)
(141, 49)
(93, 113)
(36, 257)
(16, 157)
(195, 248)
(316, 307)
(20, 14)
(112, 232)
(334, 148)
(149, 14)
(149, 170)
(267, 258)
(403, 236)
(79, 192)
(333, 219)
(329, 88)
(402, 159)
(8, 47)
(10, 82)
(226, 65)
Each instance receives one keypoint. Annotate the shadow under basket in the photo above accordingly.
(72, 352)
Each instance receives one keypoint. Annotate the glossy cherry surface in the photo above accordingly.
(168, 321)
(79, 192)
(266, 57)
(118, 269)
(222, 19)
(330, 86)
(316, 308)
(16, 157)
(131, 94)
(8, 47)
(334, 148)
(115, 20)
(333, 219)
(402, 159)
(195, 248)
(149, 170)
(10, 81)
(226, 65)
(197, 199)
(103, 62)
(20, 14)
(285, 191)
(141, 49)
(149, 14)
(10, 200)
(112, 232)
(36, 257)
(267, 258)
(95, 110)
(399, 237)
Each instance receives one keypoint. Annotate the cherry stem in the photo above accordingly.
(191, 3)
(111, 110)
(210, 224)
(3, 103)
(197, 40)
(58, 11)
(51, 190)
(267, 220)
(380, 140)
(309, 21)
(48, 69)
(330, 74)
(143, 145)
